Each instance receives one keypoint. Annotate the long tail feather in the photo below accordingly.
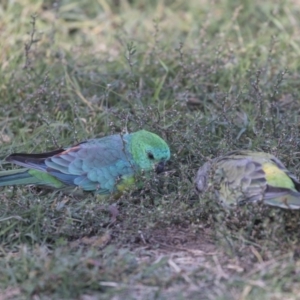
(17, 177)
(291, 201)
(27, 176)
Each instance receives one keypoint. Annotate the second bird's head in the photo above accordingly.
(149, 151)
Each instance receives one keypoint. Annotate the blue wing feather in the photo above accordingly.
(93, 165)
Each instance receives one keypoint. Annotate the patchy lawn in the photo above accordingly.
(207, 76)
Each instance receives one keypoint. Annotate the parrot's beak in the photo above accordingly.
(160, 167)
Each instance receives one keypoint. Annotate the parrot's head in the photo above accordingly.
(149, 151)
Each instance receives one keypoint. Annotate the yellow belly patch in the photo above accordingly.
(276, 177)
(125, 183)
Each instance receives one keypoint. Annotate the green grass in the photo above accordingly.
(208, 76)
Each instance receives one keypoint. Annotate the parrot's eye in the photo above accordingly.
(150, 155)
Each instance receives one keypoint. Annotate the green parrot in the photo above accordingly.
(241, 177)
(105, 165)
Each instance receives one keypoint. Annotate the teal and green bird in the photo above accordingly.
(105, 165)
(241, 177)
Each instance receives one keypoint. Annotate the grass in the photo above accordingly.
(208, 77)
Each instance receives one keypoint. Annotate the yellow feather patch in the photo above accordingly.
(277, 177)
(125, 183)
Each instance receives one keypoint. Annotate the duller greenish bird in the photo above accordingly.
(104, 165)
(241, 177)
